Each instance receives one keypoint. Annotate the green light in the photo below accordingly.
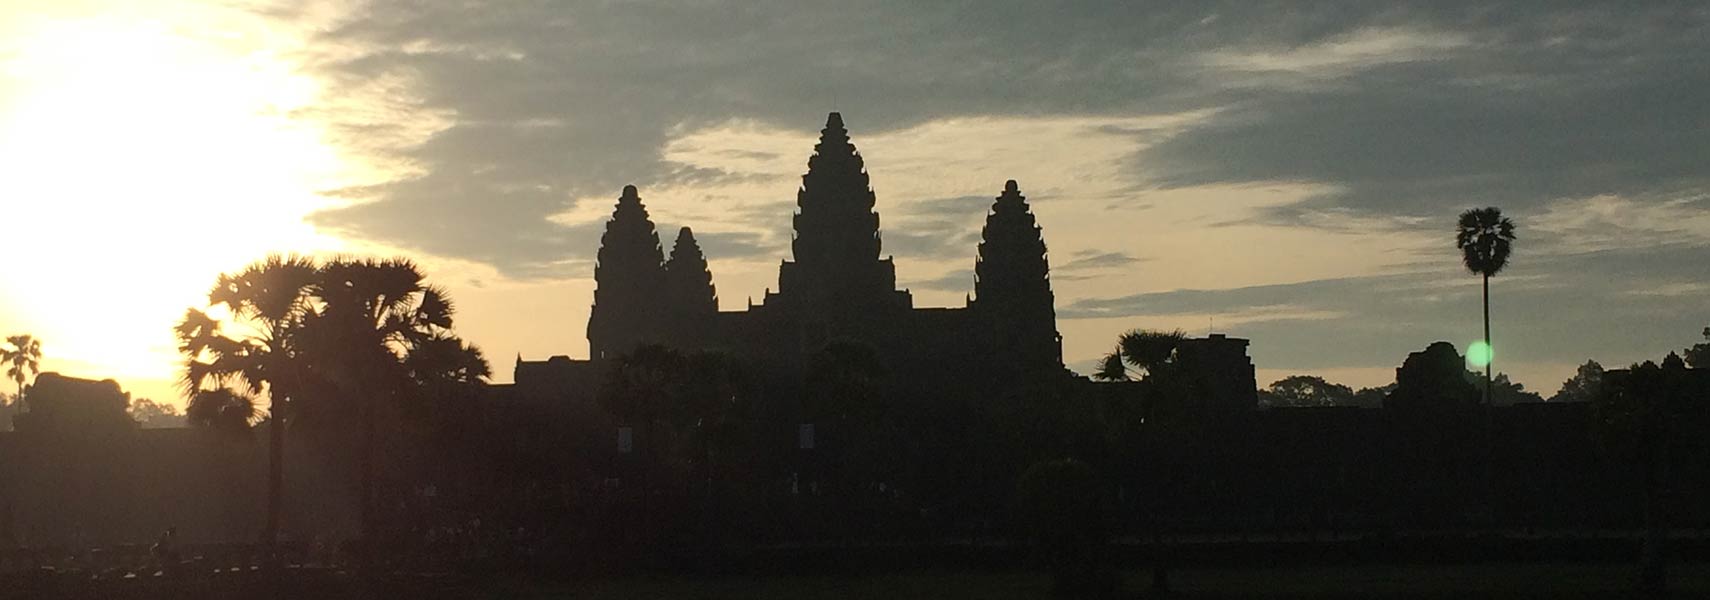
(1479, 354)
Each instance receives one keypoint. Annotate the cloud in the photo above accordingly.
(1610, 222)
(954, 207)
(960, 281)
(1541, 108)
(1093, 264)
(724, 245)
(1344, 53)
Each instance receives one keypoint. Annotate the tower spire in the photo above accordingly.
(629, 281)
(836, 247)
(687, 277)
(1012, 285)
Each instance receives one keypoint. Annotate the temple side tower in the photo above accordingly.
(689, 291)
(629, 282)
(837, 269)
(1012, 285)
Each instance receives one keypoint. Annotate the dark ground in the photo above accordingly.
(1492, 581)
(1571, 581)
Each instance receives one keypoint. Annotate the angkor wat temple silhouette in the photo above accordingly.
(837, 286)
(840, 286)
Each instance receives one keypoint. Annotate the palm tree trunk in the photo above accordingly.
(1653, 571)
(366, 487)
(1490, 494)
(275, 479)
(1490, 358)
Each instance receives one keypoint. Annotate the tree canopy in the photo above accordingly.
(1307, 390)
(23, 359)
(1698, 356)
(1583, 386)
(155, 415)
(1485, 239)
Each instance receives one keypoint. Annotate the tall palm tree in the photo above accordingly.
(255, 348)
(25, 355)
(382, 334)
(1485, 239)
(1138, 353)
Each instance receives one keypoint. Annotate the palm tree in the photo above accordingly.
(383, 334)
(1484, 237)
(1138, 353)
(224, 409)
(24, 355)
(255, 349)
(1146, 354)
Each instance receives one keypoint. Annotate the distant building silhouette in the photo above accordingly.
(70, 405)
(79, 470)
(1220, 369)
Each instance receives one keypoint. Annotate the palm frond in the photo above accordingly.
(1485, 239)
(1147, 350)
(1111, 368)
(223, 409)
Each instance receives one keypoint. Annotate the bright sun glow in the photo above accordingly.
(139, 162)
(1479, 354)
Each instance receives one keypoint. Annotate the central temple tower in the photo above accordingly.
(837, 270)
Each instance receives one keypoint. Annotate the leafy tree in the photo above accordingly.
(1485, 239)
(638, 391)
(255, 349)
(845, 380)
(8, 409)
(1139, 353)
(1646, 416)
(717, 403)
(1505, 391)
(847, 397)
(1698, 356)
(1372, 397)
(155, 415)
(1582, 387)
(23, 359)
(1308, 390)
(643, 384)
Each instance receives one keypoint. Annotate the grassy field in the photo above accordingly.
(1489, 581)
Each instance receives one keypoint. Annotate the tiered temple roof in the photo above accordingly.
(687, 278)
(629, 279)
(837, 266)
(1012, 282)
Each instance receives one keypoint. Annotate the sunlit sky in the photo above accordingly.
(1289, 177)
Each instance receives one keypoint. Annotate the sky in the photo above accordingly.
(1288, 173)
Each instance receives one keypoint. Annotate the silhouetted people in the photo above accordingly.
(165, 550)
